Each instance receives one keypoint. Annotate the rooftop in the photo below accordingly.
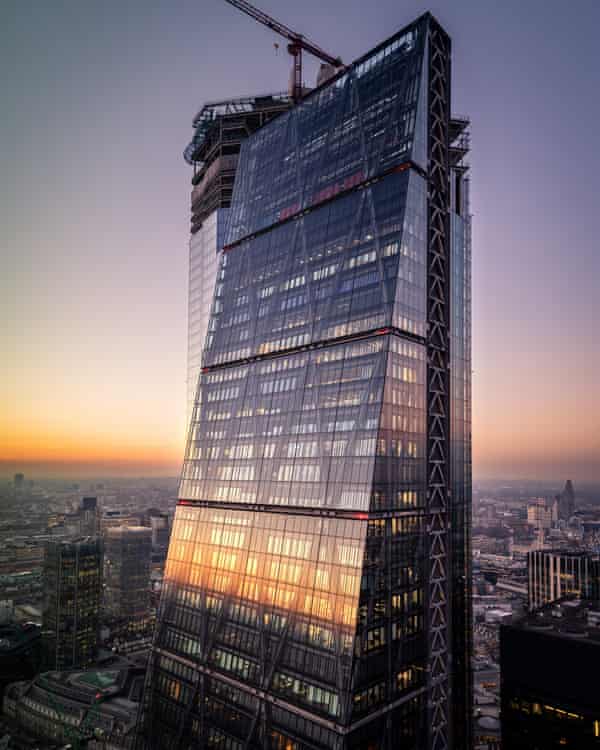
(105, 698)
(567, 618)
(566, 552)
(13, 637)
(212, 112)
(128, 531)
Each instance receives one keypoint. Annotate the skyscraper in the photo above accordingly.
(127, 552)
(88, 513)
(73, 592)
(317, 585)
(566, 501)
(159, 524)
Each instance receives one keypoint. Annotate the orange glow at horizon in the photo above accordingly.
(47, 453)
(69, 413)
(77, 413)
(501, 447)
(53, 446)
(67, 447)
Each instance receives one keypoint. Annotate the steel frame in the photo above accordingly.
(438, 390)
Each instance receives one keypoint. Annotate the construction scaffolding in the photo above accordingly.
(220, 129)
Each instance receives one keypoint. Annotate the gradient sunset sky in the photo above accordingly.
(97, 103)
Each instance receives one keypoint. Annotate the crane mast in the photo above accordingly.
(296, 44)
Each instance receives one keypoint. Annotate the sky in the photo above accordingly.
(97, 104)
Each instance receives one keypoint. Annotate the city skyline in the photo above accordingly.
(95, 288)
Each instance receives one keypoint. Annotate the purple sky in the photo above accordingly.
(97, 104)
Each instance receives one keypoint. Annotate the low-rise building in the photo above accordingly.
(94, 708)
(20, 652)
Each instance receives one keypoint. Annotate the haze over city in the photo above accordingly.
(98, 103)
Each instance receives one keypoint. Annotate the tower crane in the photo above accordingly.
(296, 43)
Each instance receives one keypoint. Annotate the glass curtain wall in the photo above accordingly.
(293, 613)
(203, 263)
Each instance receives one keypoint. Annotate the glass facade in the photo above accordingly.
(294, 612)
(460, 450)
(549, 665)
(355, 128)
(72, 599)
(203, 263)
(127, 553)
(554, 574)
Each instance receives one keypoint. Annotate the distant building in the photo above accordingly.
(550, 662)
(88, 513)
(20, 652)
(160, 530)
(82, 522)
(113, 518)
(23, 587)
(496, 616)
(19, 481)
(542, 514)
(127, 552)
(7, 611)
(554, 574)
(95, 709)
(566, 501)
(20, 555)
(72, 596)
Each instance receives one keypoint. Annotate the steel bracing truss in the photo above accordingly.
(438, 391)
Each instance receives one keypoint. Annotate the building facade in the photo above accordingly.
(92, 709)
(161, 531)
(566, 501)
(554, 574)
(89, 516)
(127, 555)
(21, 652)
(220, 128)
(317, 586)
(549, 664)
(73, 595)
(542, 514)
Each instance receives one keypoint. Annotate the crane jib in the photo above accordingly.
(297, 43)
